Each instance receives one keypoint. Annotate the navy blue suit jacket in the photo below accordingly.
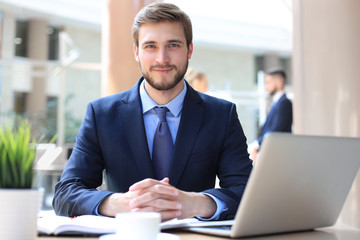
(209, 142)
(279, 118)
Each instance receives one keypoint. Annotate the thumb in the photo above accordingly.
(165, 180)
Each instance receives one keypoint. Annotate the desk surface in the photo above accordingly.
(331, 233)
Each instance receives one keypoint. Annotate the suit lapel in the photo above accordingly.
(191, 119)
(132, 117)
(275, 105)
(279, 100)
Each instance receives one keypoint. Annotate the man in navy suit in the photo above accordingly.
(118, 131)
(279, 118)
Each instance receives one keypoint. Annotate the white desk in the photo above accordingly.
(331, 233)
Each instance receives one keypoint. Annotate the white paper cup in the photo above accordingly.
(138, 225)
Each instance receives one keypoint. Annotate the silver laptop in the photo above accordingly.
(298, 183)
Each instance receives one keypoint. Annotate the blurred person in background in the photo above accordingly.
(197, 80)
(279, 118)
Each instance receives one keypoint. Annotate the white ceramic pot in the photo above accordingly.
(18, 213)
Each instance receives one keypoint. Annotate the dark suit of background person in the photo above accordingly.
(210, 141)
(279, 118)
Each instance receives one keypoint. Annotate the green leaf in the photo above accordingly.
(17, 156)
(53, 139)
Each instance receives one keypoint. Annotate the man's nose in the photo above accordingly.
(162, 56)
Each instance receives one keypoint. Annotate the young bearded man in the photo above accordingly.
(162, 164)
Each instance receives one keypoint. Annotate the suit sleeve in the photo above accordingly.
(75, 193)
(234, 167)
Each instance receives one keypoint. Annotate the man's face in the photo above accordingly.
(162, 54)
(271, 84)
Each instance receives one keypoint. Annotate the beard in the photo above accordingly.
(272, 90)
(164, 85)
(272, 93)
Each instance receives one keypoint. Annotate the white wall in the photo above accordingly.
(226, 68)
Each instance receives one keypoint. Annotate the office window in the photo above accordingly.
(259, 66)
(51, 117)
(21, 38)
(285, 64)
(20, 102)
(53, 33)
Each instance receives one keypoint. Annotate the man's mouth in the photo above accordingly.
(162, 69)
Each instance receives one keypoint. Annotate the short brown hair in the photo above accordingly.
(277, 72)
(162, 12)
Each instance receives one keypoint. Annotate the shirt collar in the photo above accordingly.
(277, 96)
(174, 106)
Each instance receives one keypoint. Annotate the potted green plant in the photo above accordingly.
(19, 202)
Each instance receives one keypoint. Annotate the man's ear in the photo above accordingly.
(279, 82)
(190, 50)
(136, 52)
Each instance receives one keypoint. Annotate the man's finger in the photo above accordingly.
(152, 199)
(146, 183)
(165, 180)
(152, 193)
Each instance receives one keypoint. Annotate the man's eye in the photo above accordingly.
(174, 45)
(150, 46)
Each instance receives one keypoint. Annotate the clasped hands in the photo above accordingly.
(151, 195)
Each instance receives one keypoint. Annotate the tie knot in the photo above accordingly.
(161, 112)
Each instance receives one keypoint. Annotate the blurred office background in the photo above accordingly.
(56, 56)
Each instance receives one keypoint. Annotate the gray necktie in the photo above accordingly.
(163, 147)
